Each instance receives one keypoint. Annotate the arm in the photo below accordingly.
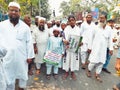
(117, 64)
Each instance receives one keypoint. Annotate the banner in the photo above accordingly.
(51, 57)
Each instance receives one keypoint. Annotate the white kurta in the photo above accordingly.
(20, 49)
(40, 38)
(99, 46)
(72, 59)
(86, 29)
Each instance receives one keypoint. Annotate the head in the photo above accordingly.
(36, 20)
(72, 21)
(102, 20)
(89, 18)
(63, 25)
(41, 24)
(49, 24)
(14, 12)
(27, 20)
(57, 23)
(111, 23)
(78, 23)
(56, 32)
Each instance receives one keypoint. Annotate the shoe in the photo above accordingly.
(48, 76)
(55, 76)
(88, 73)
(106, 70)
(65, 75)
(73, 76)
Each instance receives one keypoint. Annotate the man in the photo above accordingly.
(117, 67)
(40, 37)
(110, 25)
(86, 29)
(20, 42)
(72, 61)
(99, 49)
(27, 20)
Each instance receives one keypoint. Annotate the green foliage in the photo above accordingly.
(29, 7)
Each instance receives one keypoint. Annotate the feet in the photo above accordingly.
(106, 70)
(83, 66)
(98, 78)
(55, 76)
(73, 76)
(65, 75)
(88, 73)
(48, 76)
(30, 72)
(20, 88)
(38, 72)
(115, 87)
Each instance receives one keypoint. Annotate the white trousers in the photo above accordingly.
(22, 83)
(83, 56)
(98, 67)
(38, 65)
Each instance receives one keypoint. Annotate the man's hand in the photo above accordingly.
(36, 50)
(89, 51)
(117, 64)
(111, 52)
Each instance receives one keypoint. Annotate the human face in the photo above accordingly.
(14, 14)
(63, 26)
(27, 20)
(89, 19)
(41, 25)
(72, 22)
(102, 19)
(56, 33)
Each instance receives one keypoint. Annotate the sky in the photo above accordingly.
(55, 4)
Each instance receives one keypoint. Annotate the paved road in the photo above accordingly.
(82, 82)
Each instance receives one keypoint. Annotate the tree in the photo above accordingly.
(29, 7)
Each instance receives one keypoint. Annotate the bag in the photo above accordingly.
(52, 57)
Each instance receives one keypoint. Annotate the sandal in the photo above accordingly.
(73, 76)
(115, 87)
(88, 73)
(98, 78)
(65, 76)
(55, 76)
(38, 72)
(48, 76)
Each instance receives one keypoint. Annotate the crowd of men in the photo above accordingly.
(23, 44)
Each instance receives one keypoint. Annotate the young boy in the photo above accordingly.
(55, 43)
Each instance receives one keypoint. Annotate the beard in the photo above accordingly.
(41, 28)
(102, 24)
(58, 25)
(14, 20)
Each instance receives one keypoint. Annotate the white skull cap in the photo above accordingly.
(15, 4)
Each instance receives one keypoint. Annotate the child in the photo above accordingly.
(55, 43)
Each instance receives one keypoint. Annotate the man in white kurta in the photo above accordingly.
(18, 38)
(40, 38)
(72, 59)
(86, 28)
(98, 49)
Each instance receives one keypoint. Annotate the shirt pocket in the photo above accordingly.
(20, 36)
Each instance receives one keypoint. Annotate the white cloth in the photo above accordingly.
(40, 38)
(72, 59)
(20, 48)
(99, 45)
(86, 30)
